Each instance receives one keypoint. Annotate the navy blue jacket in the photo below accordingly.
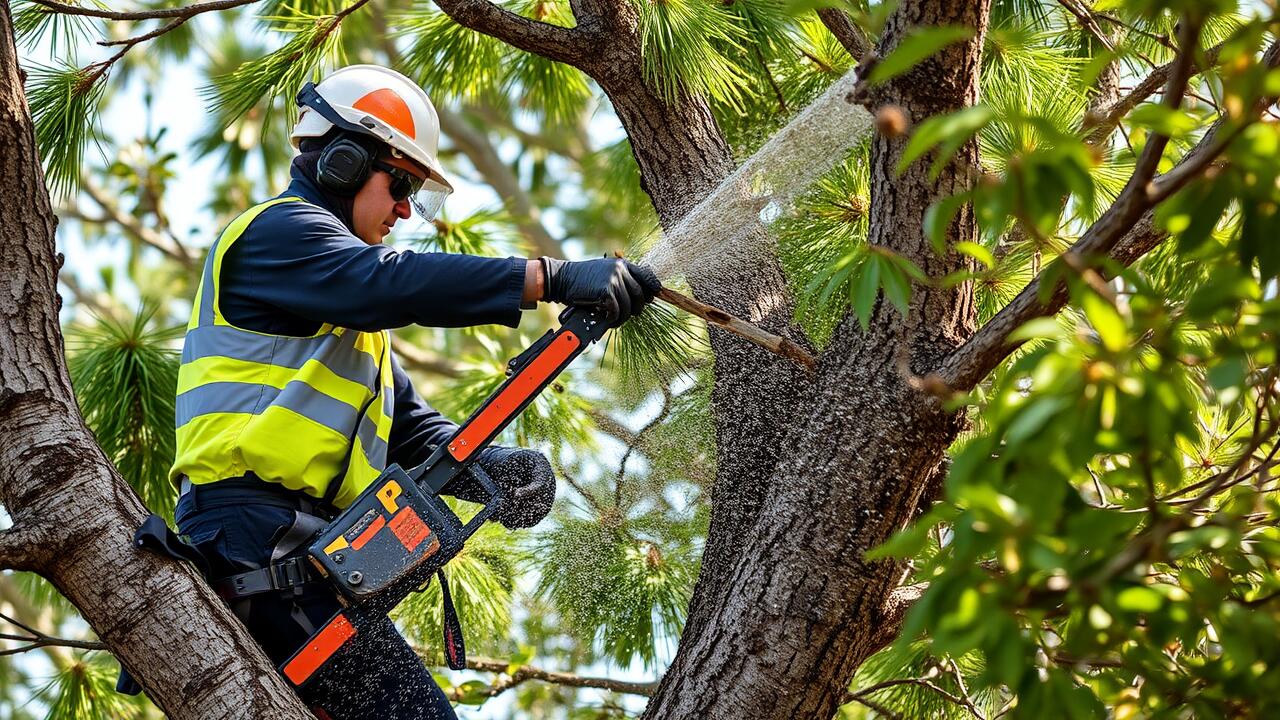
(297, 266)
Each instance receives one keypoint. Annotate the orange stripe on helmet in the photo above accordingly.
(390, 108)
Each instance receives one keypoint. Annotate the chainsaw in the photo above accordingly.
(398, 533)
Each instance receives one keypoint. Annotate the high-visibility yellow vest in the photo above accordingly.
(299, 411)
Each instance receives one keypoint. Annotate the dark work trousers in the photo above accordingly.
(376, 676)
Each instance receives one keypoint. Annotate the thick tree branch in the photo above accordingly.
(17, 548)
(562, 44)
(855, 42)
(176, 12)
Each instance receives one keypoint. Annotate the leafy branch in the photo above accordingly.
(1121, 228)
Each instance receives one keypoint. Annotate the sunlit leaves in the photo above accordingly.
(315, 43)
(85, 690)
(63, 101)
(451, 61)
(680, 42)
(124, 374)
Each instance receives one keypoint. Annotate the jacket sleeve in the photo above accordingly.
(301, 259)
(416, 427)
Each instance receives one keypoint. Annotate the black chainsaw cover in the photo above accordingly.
(389, 542)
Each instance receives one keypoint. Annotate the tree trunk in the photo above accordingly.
(73, 516)
(795, 608)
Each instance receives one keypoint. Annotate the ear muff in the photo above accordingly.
(344, 165)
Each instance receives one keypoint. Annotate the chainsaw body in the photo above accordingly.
(398, 532)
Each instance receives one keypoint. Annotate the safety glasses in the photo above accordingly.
(425, 194)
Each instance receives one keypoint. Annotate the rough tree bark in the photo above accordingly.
(802, 608)
(72, 514)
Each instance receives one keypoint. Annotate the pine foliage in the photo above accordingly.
(125, 373)
(314, 44)
(64, 105)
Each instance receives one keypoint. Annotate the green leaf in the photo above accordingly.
(977, 252)
(473, 692)
(897, 287)
(1163, 120)
(1228, 372)
(865, 290)
(939, 216)
(952, 130)
(915, 47)
(1139, 599)
(1106, 319)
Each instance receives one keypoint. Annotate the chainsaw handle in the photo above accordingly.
(495, 502)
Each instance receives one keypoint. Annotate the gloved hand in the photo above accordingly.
(613, 285)
(524, 476)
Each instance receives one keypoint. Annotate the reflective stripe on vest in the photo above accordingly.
(300, 411)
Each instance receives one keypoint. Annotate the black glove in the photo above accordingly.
(613, 285)
(524, 476)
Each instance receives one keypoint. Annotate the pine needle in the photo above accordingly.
(658, 345)
(64, 105)
(681, 46)
(558, 92)
(316, 42)
(451, 61)
(481, 583)
(557, 417)
(85, 690)
(483, 232)
(125, 375)
(822, 241)
(33, 22)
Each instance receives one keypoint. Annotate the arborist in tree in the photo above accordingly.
(290, 401)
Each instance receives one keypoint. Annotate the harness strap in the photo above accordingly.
(287, 575)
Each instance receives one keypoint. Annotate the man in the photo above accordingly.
(290, 401)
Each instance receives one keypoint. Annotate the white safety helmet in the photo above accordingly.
(383, 104)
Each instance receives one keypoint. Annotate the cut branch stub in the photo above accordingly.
(767, 340)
